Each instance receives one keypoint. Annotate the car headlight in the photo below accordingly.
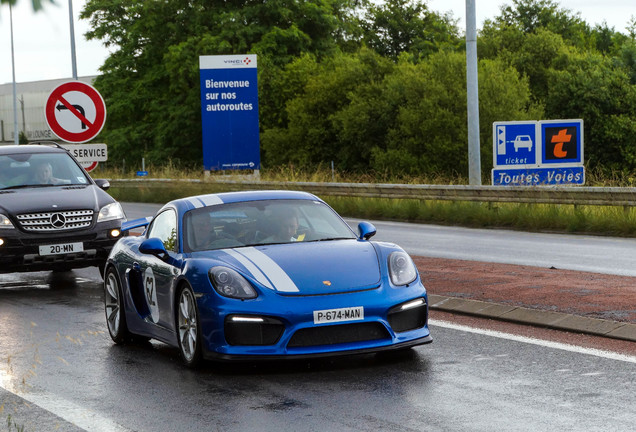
(230, 283)
(401, 268)
(5, 222)
(110, 212)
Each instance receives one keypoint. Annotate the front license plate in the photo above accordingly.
(338, 315)
(59, 249)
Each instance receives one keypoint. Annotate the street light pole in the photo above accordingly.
(472, 94)
(72, 28)
(16, 138)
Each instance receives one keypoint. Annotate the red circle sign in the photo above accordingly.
(75, 112)
(90, 166)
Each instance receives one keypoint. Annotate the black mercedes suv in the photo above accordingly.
(53, 215)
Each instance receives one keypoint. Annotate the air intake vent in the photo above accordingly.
(337, 334)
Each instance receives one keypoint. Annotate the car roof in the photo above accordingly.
(30, 149)
(198, 201)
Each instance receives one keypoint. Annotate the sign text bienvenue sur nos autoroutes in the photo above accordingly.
(532, 153)
(229, 112)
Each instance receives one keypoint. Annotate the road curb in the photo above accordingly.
(539, 318)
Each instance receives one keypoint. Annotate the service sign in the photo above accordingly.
(531, 153)
(88, 155)
(229, 112)
(88, 152)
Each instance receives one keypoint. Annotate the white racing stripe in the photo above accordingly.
(528, 340)
(272, 271)
(249, 265)
(205, 200)
(77, 415)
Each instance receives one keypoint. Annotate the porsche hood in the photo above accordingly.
(312, 268)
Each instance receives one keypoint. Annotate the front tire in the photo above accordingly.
(113, 305)
(188, 328)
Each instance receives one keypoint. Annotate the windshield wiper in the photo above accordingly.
(333, 238)
(28, 186)
(263, 244)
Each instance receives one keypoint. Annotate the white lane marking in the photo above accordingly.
(280, 279)
(548, 344)
(249, 265)
(78, 416)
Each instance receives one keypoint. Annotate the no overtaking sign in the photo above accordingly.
(75, 112)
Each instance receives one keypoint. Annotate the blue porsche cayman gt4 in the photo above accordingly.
(266, 274)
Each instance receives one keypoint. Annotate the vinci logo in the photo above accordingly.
(562, 143)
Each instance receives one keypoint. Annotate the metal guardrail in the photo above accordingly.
(574, 195)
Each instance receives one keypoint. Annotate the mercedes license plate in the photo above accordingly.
(59, 249)
(338, 315)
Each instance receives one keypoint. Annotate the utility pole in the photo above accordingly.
(472, 94)
(16, 138)
(72, 28)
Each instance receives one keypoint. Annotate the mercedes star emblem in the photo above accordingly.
(58, 220)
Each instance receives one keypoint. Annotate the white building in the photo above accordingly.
(32, 97)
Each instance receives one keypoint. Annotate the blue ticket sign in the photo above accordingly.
(229, 112)
(515, 144)
(532, 153)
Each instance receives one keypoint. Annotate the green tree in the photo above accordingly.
(396, 26)
(598, 90)
(530, 15)
(363, 111)
(312, 135)
(431, 124)
(150, 81)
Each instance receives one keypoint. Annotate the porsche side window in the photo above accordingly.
(164, 227)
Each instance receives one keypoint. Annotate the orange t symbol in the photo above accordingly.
(561, 138)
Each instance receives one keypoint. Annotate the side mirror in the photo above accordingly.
(153, 246)
(102, 183)
(366, 230)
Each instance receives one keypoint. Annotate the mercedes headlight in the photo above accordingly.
(5, 222)
(110, 212)
(401, 268)
(229, 283)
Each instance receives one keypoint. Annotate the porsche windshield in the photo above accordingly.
(39, 170)
(262, 222)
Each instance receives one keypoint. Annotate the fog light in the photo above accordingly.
(1, 242)
(414, 303)
(252, 330)
(247, 319)
(115, 233)
(408, 316)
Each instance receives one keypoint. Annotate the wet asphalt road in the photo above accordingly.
(60, 371)
(56, 353)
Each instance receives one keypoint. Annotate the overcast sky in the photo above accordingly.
(43, 49)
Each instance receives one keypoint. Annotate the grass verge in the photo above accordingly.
(599, 220)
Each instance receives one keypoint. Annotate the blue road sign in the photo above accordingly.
(229, 112)
(531, 153)
(515, 143)
(562, 142)
(542, 176)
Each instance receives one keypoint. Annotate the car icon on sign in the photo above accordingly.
(522, 141)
